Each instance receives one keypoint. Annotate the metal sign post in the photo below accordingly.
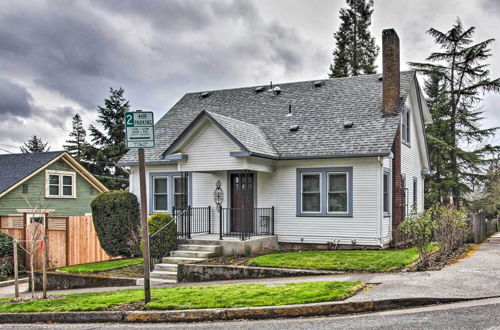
(139, 132)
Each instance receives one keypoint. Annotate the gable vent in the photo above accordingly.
(348, 124)
(205, 95)
(294, 128)
(318, 83)
(259, 89)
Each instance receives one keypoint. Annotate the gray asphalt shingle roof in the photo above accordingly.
(320, 113)
(15, 167)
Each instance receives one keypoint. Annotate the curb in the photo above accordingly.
(251, 313)
(11, 282)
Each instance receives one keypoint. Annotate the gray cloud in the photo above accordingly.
(14, 99)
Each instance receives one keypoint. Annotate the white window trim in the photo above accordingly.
(405, 126)
(155, 193)
(61, 174)
(328, 193)
(302, 193)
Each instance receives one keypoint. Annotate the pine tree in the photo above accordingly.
(76, 144)
(458, 76)
(109, 144)
(355, 51)
(34, 144)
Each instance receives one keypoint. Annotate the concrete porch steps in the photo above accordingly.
(166, 272)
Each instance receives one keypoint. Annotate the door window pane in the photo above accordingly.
(311, 196)
(337, 192)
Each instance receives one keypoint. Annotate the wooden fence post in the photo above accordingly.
(16, 276)
(67, 242)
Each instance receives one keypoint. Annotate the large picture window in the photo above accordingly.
(60, 184)
(324, 191)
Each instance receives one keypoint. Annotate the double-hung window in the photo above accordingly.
(324, 191)
(405, 125)
(311, 192)
(337, 192)
(386, 192)
(60, 184)
(415, 192)
(160, 194)
(168, 190)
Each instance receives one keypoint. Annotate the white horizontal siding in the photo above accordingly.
(279, 189)
(209, 151)
(134, 186)
(411, 160)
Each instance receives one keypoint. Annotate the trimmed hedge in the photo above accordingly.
(164, 241)
(117, 223)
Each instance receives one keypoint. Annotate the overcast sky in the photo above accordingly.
(58, 58)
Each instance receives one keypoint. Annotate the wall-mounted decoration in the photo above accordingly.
(218, 195)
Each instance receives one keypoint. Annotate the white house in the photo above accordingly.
(330, 161)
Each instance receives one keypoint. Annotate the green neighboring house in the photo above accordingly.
(43, 181)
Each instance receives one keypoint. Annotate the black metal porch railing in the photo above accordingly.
(192, 220)
(246, 222)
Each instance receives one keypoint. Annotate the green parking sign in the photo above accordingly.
(139, 129)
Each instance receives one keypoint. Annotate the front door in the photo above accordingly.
(242, 201)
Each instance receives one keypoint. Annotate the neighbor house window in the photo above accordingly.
(386, 191)
(311, 192)
(60, 184)
(405, 125)
(324, 192)
(337, 192)
(160, 194)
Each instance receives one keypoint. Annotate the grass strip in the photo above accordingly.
(101, 266)
(342, 260)
(195, 297)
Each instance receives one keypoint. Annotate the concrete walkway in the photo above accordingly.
(475, 276)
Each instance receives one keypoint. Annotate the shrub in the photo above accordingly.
(451, 228)
(165, 240)
(117, 223)
(420, 227)
(5, 245)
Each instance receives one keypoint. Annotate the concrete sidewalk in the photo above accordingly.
(475, 276)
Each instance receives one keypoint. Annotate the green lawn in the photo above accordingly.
(196, 297)
(100, 266)
(345, 260)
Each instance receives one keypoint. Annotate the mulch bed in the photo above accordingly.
(438, 261)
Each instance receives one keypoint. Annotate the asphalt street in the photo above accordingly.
(477, 314)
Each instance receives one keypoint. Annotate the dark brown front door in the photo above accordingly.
(242, 202)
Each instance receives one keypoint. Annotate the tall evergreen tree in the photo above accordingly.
(76, 144)
(34, 144)
(355, 52)
(109, 144)
(458, 77)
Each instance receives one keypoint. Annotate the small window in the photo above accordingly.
(180, 193)
(415, 192)
(386, 195)
(160, 194)
(311, 192)
(405, 125)
(25, 188)
(36, 218)
(60, 184)
(337, 192)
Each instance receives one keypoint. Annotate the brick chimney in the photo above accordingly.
(390, 70)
